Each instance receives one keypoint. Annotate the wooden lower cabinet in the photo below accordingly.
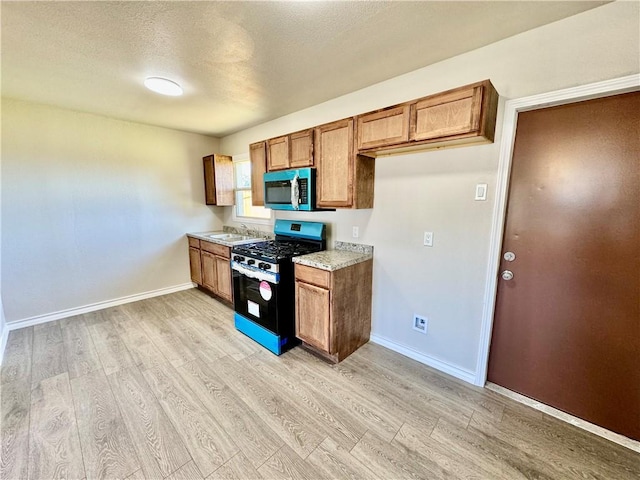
(333, 309)
(314, 311)
(209, 274)
(195, 265)
(224, 283)
(211, 268)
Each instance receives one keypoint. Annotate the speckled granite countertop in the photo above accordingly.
(207, 237)
(344, 255)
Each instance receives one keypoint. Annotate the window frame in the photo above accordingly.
(244, 157)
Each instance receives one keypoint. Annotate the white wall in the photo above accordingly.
(434, 190)
(3, 333)
(95, 209)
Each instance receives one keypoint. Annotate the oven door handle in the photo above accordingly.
(258, 275)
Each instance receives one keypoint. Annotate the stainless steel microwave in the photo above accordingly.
(293, 189)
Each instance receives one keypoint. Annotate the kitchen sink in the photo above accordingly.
(231, 237)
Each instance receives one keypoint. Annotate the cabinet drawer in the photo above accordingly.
(314, 276)
(384, 128)
(194, 242)
(216, 249)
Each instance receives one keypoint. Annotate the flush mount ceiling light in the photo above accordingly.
(163, 86)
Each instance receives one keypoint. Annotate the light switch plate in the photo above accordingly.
(481, 192)
(428, 239)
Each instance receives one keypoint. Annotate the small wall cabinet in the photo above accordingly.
(218, 180)
(333, 309)
(383, 128)
(465, 115)
(211, 268)
(290, 151)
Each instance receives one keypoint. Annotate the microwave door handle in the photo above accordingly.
(295, 193)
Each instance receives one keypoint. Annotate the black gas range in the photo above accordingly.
(263, 282)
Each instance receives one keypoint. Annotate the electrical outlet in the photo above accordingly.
(355, 232)
(428, 239)
(420, 323)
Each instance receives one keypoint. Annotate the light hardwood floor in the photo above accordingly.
(167, 388)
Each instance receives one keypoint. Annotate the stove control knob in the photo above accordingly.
(238, 258)
(261, 266)
(266, 266)
(251, 261)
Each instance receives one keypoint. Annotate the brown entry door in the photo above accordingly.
(567, 324)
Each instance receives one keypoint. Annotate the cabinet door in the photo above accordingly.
(335, 163)
(453, 113)
(209, 275)
(223, 275)
(278, 153)
(301, 149)
(381, 129)
(218, 180)
(313, 318)
(258, 153)
(209, 180)
(223, 167)
(195, 265)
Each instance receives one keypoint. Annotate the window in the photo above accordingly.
(244, 210)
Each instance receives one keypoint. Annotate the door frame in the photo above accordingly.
(606, 88)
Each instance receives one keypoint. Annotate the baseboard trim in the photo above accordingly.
(565, 417)
(50, 317)
(445, 367)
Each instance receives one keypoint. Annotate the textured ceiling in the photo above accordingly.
(240, 63)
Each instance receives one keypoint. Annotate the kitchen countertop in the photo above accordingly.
(344, 255)
(207, 237)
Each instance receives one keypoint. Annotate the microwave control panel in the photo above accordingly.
(303, 185)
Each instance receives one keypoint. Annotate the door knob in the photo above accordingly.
(507, 275)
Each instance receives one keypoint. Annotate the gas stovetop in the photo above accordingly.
(276, 251)
(274, 257)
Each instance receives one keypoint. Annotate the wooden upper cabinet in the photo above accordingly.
(258, 155)
(335, 154)
(301, 149)
(386, 127)
(218, 180)
(465, 115)
(344, 179)
(290, 151)
(456, 112)
(278, 153)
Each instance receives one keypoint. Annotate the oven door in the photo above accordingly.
(255, 297)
